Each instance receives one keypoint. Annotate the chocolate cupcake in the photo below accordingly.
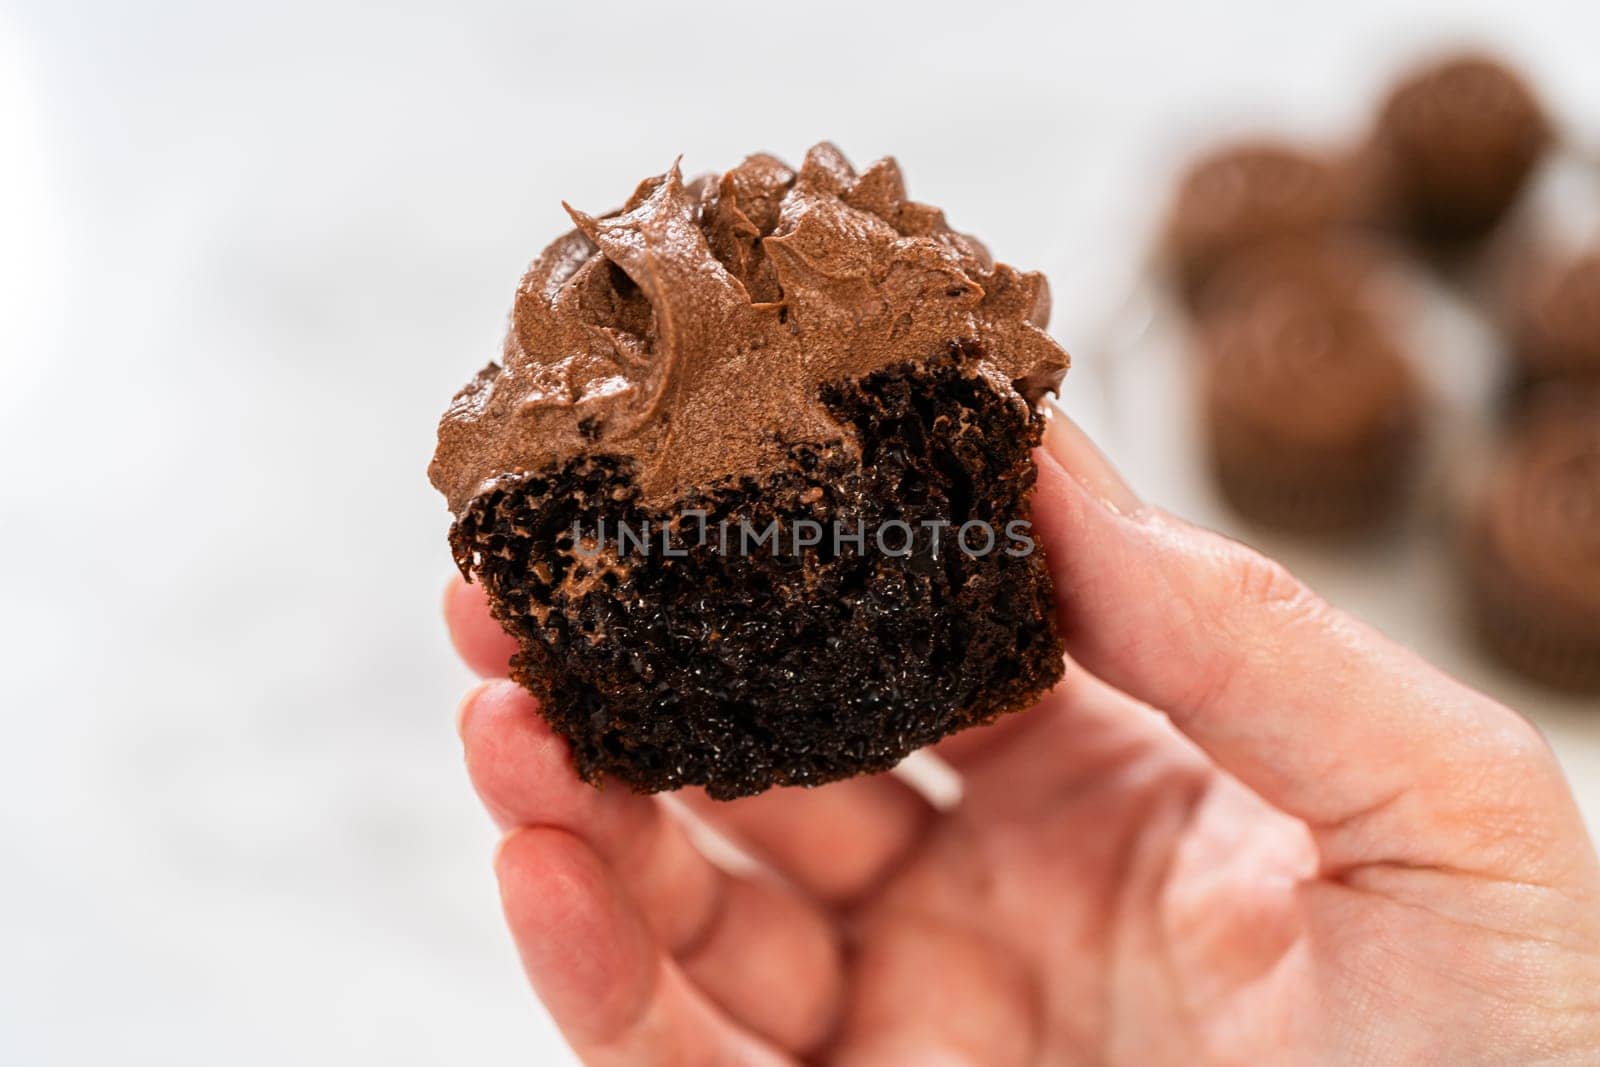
(1456, 142)
(1556, 329)
(751, 486)
(1533, 544)
(1247, 194)
(1333, 266)
(1312, 412)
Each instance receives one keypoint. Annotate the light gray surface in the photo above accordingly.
(246, 257)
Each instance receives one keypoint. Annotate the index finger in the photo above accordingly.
(477, 637)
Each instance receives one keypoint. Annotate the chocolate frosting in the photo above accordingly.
(1307, 370)
(1560, 320)
(1462, 113)
(1458, 138)
(1249, 192)
(1336, 266)
(691, 331)
(1542, 510)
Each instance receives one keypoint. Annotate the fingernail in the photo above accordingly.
(1082, 458)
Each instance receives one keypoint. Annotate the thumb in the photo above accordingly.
(1383, 756)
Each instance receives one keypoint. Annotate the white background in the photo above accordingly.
(245, 258)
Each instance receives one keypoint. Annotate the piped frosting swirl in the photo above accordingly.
(691, 331)
(1542, 511)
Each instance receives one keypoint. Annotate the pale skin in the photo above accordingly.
(1245, 829)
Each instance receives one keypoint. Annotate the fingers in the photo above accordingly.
(1081, 720)
(925, 993)
(590, 956)
(1081, 730)
(773, 962)
(975, 745)
(1316, 712)
(478, 638)
(523, 773)
(738, 939)
(836, 841)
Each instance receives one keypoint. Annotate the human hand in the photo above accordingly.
(1319, 850)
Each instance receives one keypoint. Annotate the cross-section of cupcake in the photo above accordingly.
(751, 483)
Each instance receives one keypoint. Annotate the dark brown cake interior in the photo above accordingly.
(739, 671)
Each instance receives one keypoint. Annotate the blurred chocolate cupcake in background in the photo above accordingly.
(1531, 543)
(1343, 266)
(1312, 412)
(1555, 323)
(1298, 272)
(1455, 142)
(1250, 193)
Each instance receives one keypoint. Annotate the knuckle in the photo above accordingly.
(1506, 793)
(1248, 605)
(1522, 745)
(1261, 599)
(1519, 759)
(1265, 583)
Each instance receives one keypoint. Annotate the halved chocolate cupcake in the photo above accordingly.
(1532, 544)
(751, 485)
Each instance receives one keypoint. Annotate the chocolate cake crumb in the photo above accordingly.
(741, 671)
